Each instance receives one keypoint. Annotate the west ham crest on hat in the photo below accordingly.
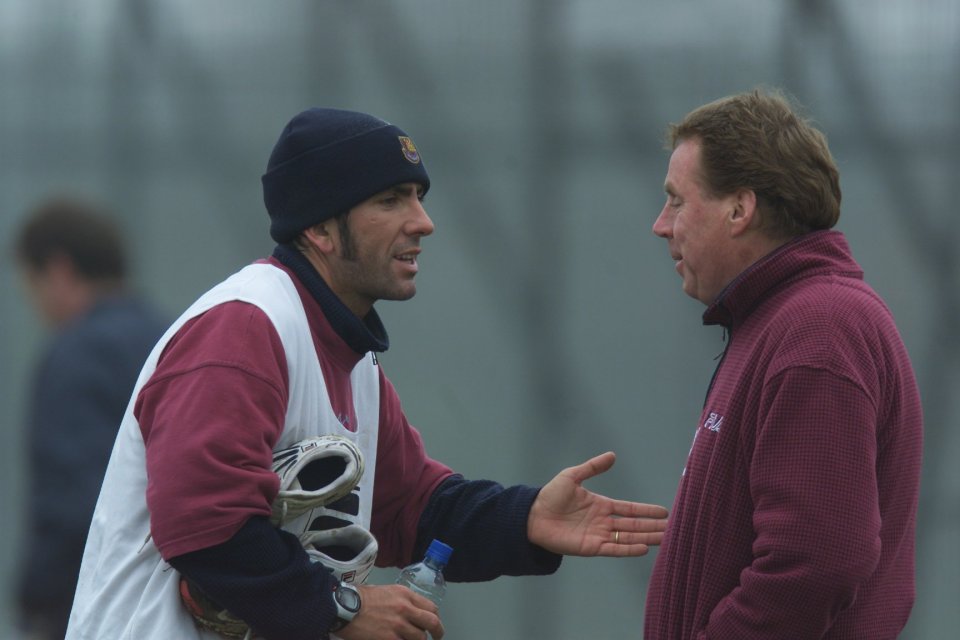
(409, 150)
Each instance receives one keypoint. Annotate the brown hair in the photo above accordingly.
(757, 141)
(77, 229)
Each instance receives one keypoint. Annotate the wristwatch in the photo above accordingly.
(347, 600)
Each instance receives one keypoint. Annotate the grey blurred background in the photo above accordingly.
(549, 323)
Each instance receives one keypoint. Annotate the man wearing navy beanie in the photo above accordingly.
(328, 160)
(265, 464)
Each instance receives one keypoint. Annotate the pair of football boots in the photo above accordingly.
(318, 486)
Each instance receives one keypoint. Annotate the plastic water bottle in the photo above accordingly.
(426, 577)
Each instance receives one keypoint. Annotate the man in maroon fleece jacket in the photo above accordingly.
(796, 510)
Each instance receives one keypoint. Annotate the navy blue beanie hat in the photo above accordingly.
(327, 161)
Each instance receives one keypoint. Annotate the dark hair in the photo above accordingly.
(757, 141)
(346, 237)
(75, 228)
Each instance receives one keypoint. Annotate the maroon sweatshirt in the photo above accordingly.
(796, 510)
(205, 385)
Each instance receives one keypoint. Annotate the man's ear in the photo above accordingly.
(745, 214)
(320, 236)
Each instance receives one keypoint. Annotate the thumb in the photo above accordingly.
(592, 467)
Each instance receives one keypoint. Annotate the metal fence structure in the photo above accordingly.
(549, 325)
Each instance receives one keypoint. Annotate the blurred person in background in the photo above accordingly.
(74, 265)
(796, 511)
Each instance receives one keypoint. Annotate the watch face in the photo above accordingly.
(348, 598)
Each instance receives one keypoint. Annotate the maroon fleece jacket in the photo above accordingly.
(796, 510)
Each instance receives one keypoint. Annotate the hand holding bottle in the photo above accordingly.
(426, 577)
(391, 611)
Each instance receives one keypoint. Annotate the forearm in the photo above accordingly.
(486, 524)
(263, 576)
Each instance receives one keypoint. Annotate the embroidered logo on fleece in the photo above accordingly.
(713, 422)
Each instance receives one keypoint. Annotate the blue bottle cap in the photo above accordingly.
(439, 551)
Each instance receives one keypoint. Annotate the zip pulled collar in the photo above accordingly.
(817, 253)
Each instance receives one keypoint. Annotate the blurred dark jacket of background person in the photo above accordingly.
(74, 265)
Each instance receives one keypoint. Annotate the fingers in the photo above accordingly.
(428, 621)
(621, 544)
(628, 538)
(422, 602)
(394, 612)
(426, 616)
(645, 530)
(623, 550)
(633, 536)
(627, 509)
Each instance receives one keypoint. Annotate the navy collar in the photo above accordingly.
(361, 335)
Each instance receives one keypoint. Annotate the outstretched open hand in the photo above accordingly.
(568, 519)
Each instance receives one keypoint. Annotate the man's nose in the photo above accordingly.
(663, 225)
(421, 225)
